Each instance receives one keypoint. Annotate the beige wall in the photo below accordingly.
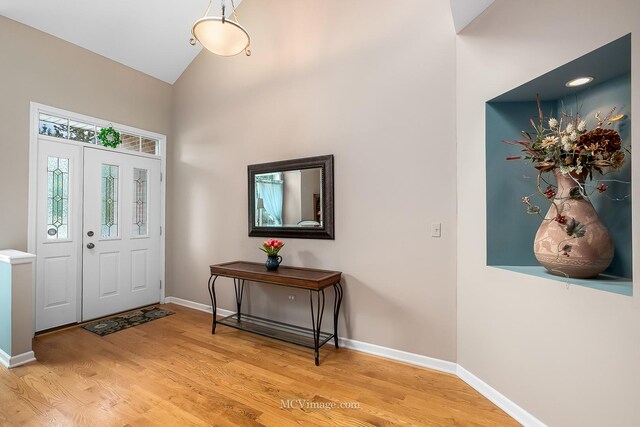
(567, 354)
(370, 83)
(310, 186)
(41, 68)
(299, 188)
(291, 206)
(375, 87)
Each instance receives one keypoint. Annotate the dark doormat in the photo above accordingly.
(126, 320)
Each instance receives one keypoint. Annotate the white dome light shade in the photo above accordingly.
(226, 38)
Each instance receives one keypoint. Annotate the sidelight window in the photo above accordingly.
(140, 202)
(109, 202)
(57, 198)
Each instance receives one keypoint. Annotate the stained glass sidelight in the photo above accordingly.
(57, 198)
(139, 202)
(109, 202)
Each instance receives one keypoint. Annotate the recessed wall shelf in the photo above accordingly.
(510, 231)
(604, 282)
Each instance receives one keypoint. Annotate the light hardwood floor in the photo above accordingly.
(172, 371)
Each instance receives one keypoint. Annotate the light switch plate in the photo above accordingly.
(436, 229)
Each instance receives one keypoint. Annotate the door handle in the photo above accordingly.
(90, 246)
(90, 234)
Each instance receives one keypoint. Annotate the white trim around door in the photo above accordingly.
(34, 136)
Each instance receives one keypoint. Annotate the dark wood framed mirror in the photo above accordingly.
(292, 198)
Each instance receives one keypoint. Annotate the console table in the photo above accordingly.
(313, 280)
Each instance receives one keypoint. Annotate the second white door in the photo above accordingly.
(121, 233)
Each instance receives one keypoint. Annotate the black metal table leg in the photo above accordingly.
(212, 294)
(238, 285)
(316, 321)
(336, 311)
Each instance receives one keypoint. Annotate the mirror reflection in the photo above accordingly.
(292, 198)
(289, 199)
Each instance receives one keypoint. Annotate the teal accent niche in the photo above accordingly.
(510, 230)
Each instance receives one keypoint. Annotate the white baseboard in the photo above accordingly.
(500, 400)
(4, 358)
(196, 306)
(14, 361)
(399, 355)
(515, 411)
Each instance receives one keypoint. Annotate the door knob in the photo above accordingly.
(90, 246)
(90, 234)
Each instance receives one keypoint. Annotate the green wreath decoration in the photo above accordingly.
(109, 137)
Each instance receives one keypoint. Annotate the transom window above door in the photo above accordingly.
(66, 128)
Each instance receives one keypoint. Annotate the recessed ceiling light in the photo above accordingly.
(579, 81)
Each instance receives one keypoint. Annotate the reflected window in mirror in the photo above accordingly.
(269, 197)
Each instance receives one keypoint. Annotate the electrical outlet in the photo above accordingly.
(436, 229)
(292, 297)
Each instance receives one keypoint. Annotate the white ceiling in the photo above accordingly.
(149, 36)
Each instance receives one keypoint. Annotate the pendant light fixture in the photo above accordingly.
(222, 36)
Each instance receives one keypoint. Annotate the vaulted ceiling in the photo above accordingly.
(465, 11)
(149, 36)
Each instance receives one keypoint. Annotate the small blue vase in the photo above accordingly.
(273, 262)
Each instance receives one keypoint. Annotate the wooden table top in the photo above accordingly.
(297, 277)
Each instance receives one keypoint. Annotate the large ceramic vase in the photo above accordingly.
(586, 252)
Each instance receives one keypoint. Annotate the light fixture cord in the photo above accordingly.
(206, 12)
(233, 9)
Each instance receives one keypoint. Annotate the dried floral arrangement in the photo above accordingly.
(567, 145)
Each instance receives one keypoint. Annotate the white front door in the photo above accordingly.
(58, 234)
(121, 232)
